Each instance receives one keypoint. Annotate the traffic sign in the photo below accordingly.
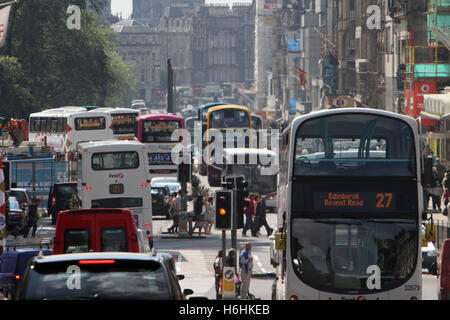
(228, 282)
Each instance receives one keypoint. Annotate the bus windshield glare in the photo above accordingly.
(115, 160)
(123, 123)
(229, 118)
(354, 145)
(159, 130)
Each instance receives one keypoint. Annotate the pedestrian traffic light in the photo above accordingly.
(224, 209)
(184, 172)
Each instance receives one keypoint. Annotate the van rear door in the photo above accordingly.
(74, 233)
(116, 232)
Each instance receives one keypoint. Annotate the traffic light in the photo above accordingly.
(224, 209)
(240, 206)
(184, 172)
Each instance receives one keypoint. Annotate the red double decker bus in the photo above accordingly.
(155, 131)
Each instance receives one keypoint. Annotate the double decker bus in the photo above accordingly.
(63, 128)
(350, 207)
(123, 122)
(155, 131)
(114, 174)
(227, 122)
(203, 118)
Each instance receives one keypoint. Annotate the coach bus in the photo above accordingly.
(114, 174)
(123, 122)
(63, 128)
(350, 206)
(155, 131)
(228, 121)
(258, 166)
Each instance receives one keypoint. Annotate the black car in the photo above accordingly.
(160, 200)
(16, 216)
(59, 197)
(12, 267)
(101, 276)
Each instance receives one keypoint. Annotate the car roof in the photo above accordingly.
(97, 255)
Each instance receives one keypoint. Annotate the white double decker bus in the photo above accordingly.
(350, 206)
(63, 128)
(114, 174)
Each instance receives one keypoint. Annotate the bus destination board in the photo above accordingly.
(354, 201)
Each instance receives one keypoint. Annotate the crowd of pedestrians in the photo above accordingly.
(255, 212)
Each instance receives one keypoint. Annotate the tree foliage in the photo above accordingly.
(48, 65)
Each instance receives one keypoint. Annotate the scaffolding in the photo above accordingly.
(438, 20)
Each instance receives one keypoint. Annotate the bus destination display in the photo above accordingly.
(354, 201)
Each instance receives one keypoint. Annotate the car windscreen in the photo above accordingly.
(106, 280)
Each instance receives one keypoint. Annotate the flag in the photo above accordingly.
(302, 76)
(4, 17)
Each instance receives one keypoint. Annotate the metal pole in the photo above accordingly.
(224, 248)
(233, 226)
(169, 87)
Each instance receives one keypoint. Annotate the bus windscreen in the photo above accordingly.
(354, 145)
(159, 130)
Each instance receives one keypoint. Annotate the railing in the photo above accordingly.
(442, 232)
(442, 229)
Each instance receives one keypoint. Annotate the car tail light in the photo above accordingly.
(294, 297)
(100, 261)
(17, 277)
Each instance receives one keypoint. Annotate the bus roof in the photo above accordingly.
(296, 122)
(118, 110)
(239, 151)
(229, 106)
(107, 145)
(63, 111)
(161, 116)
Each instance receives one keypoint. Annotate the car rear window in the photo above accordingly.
(121, 280)
(76, 240)
(114, 239)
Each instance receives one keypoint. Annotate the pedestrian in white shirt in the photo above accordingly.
(246, 266)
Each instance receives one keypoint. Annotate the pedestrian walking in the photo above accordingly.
(246, 267)
(261, 211)
(176, 209)
(32, 219)
(199, 215)
(210, 215)
(218, 274)
(248, 212)
(436, 191)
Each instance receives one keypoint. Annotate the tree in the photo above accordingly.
(60, 66)
(15, 98)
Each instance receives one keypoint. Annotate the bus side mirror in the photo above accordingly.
(280, 241)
